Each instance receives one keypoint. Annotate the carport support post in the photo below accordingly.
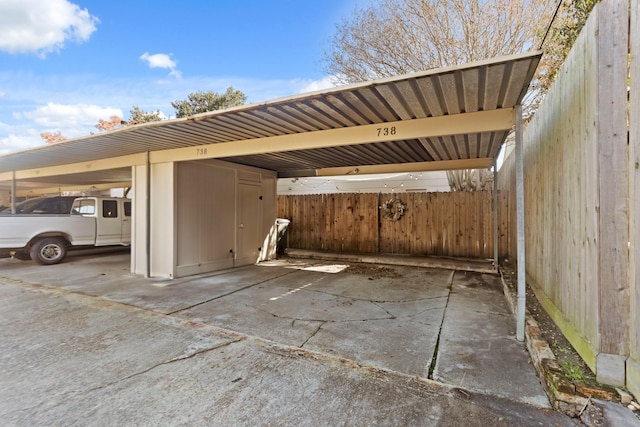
(522, 275)
(495, 213)
(13, 193)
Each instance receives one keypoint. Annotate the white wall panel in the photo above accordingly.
(205, 217)
(139, 224)
(162, 220)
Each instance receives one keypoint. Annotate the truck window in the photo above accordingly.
(109, 208)
(57, 206)
(127, 208)
(84, 207)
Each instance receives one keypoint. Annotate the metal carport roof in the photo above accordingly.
(447, 118)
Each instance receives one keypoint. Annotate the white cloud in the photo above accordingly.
(18, 139)
(78, 103)
(42, 26)
(71, 120)
(315, 85)
(162, 60)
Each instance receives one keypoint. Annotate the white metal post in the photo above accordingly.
(522, 275)
(495, 213)
(147, 232)
(13, 193)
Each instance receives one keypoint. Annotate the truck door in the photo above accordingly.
(109, 223)
(126, 222)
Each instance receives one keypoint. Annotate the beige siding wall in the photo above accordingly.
(209, 213)
(139, 223)
(205, 218)
(162, 220)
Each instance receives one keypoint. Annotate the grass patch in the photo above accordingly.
(572, 370)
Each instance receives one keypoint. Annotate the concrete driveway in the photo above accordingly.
(450, 326)
(290, 342)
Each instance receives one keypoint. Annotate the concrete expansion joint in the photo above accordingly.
(418, 382)
(510, 337)
(170, 361)
(493, 313)
(39, 286)
(226, 295)
(391, 315)
(374, 301)
(299, 319)
(434, 359)
(70, 294)
(313, 334)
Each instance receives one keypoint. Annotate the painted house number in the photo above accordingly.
(201, 151)
(387, 131)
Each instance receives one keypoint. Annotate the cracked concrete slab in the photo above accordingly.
(237, 314)
(482, 292)
(404, 345)
(74, 360)
(72, 339)
(406, 284)
(478, 349)
(409, 320)
(476, 368)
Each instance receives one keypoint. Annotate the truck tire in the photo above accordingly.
(50, 250)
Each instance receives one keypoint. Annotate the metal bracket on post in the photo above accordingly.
(522, 275)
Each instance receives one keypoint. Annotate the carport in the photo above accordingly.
(442, 119)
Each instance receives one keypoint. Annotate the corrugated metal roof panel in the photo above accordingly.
(482, 86)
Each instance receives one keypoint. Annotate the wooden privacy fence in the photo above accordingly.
(446, 224)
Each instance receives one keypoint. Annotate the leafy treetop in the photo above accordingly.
(202, 102)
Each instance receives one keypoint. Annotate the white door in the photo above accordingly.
(249, 221)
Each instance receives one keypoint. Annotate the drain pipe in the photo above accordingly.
(522, 275)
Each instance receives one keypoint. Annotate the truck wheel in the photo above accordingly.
(50, 250)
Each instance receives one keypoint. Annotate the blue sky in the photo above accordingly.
(64, 64)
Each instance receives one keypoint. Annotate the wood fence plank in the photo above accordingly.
(612, 137)
(450, 224)
(633, 366)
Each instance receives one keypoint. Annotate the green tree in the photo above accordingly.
(137, 116)
(562, 34)
(201, 102)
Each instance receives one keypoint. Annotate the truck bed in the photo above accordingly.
(16, 231)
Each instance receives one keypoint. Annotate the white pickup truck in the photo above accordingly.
(93, 221)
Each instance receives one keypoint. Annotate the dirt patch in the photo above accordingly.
(373, 272)
(574, 368)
